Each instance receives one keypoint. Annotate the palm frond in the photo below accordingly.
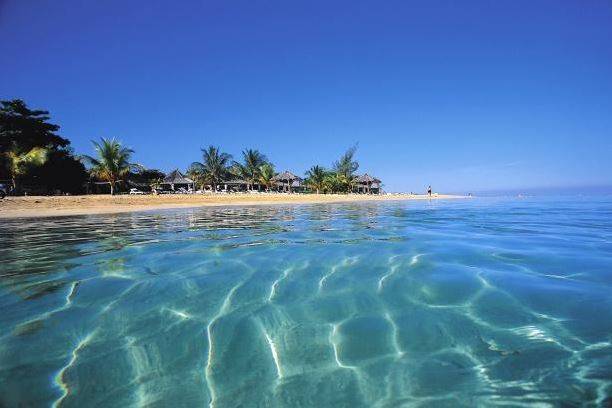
(113, 160)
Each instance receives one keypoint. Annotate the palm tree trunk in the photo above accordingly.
(112, 187)
(14, 181)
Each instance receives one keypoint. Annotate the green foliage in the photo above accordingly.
(194, 172)
(339, 180)
(112, 163)
(315, 178)
(214, 167)
(24, 129)
(62, 171)
(337, 183)
(20, 162)
(347, 166)
(266, 175)
(31, 152)
(249, 169)
(145, 178)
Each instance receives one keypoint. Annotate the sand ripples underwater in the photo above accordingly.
(471, 303)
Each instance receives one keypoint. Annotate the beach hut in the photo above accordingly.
(175, 180)
(367, 184)
(287, 181)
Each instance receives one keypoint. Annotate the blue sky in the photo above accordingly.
(465, 96)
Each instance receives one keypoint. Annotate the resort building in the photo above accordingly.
(287, 182)
(282, 182)
(367, 184)
(236, 185)
(175, 180)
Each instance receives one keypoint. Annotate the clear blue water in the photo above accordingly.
(478, 302)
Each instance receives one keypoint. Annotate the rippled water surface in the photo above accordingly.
(460, 303)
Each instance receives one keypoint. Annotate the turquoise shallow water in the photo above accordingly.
(478, 302)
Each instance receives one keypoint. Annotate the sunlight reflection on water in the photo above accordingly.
(461, 303)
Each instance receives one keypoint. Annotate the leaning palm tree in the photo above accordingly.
(19, 163)
(266, 175)
(249, 170)
(113, 161)
(214, 167)
(315, 178)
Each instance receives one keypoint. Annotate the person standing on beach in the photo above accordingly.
(429, 191)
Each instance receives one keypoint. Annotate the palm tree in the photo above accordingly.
(315, 178)
(347, 166)
(214, 167)
(113, 161)
(249, 170)
(345, 169)
(20, 162)
(335, 182)
(266, 175)
(194, 172)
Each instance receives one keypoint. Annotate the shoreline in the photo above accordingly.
(64, 206)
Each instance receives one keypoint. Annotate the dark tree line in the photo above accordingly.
(35, 158)
(32, 154)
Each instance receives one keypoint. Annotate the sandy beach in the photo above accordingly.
(54, 206)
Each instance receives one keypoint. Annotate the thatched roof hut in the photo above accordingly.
(176, 178)
(286, 176)
(286, 180)
(367, 184)
(366, 179)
